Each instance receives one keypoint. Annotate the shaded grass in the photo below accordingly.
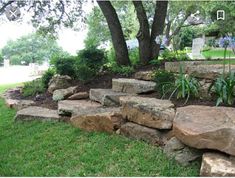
(57, 149)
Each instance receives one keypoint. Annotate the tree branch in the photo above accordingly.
(5, 5)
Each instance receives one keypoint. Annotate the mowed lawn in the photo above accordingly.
(218, 53)
(58, 149)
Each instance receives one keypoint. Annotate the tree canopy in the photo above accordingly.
(31, 48)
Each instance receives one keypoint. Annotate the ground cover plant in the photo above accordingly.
(58, 149)
(223, 87)
(33, 88)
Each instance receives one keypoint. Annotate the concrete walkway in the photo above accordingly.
(16, 74)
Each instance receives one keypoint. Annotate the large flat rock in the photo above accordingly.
(133, 86)
(150, 112)
(59, 82)
(206, 127)
(107, 97)
(18, 104)
(98, 119)
(36, 113)
(143, 133)
(217, 165)
(73, 107)
(79, 96)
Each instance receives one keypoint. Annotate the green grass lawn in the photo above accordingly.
(58, 149)
(217, 53)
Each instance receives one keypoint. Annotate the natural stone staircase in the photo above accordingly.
(121, 110)
(107, 97)
(132, 86)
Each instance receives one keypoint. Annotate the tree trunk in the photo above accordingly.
(168, 29)
(158, 25)
(143, 36)
(117, 35)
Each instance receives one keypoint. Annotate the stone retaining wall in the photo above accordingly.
(199, 69)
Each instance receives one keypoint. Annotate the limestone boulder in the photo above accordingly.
(73, 107)
(107, 97)
(217, 165)
(62, 94)
(150, 112)
(144, 75)
(206, 127)
(181, 153)
(79, 96)
(36, 113)
(132, 86)
(19, 104)
(59, 82)
(98, 119)
(136, 131)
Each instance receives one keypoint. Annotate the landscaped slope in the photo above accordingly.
(58, 149)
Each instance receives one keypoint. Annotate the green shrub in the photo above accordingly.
(168, 55)
(223, 87)
(134, 56)
(186, 37)
(65, 66)
(116, 69)
(46, 77)
(33, 88)
(123, 70)
(155, 62)
(185, 86)
(85, 73)
(164, 80)
(179, 55)
(211, 42)
(92, 58)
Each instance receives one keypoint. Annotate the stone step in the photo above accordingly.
(150, 112)
(206, 127)
(217, 165)
(107, 97)
(36, 113)
(79, 96)
(145, 75)
(132, 86)
(73, 107)
(98, 119)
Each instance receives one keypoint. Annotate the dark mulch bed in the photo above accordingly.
(45, 99)
(105, 81)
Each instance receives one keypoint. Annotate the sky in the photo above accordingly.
(69, 40)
